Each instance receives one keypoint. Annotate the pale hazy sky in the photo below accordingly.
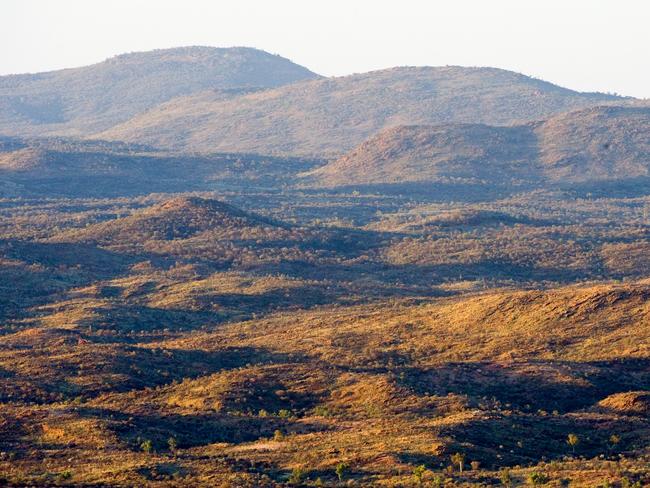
(587, 45)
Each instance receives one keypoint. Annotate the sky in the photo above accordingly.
(586, 45)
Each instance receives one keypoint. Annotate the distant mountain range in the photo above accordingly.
(180, 119)
(333, 115)
(204, 99)
(81, 101)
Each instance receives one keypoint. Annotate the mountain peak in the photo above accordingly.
(84, 100)
(193, 54)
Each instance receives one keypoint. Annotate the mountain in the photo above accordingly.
(602, 143)
(333, 115)
(177, 218)
(84, 100)
(594, 144)
(446, 153)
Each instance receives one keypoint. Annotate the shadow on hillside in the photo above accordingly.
(12, 431)
(619, 188)
(41, 269)
(193, 430)
(498, 440)
(144, 367)
(409, 279)
(124, 319)
(105, 368)
(83, 257)
(561, 386)
(280, 298)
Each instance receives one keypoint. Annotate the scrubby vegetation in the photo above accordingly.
(436, 309)
(166, 341)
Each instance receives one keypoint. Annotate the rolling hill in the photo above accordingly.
(84, 100)
(603, 143)
(178, 218)
(503, 377)
(589, 145)
(333, 115)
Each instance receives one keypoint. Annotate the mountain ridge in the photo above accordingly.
(83, 100)
(332, 115)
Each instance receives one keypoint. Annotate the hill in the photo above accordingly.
(594, 144)
(55, 167)
(84, 100)
(178, 218)
(467, 153)
(602, 143)
(334, 115)
(502, 377)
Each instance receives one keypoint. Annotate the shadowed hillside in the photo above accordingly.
(84, 100)
(334, 115)
(71, 168)
(603, 143)
(459, 153)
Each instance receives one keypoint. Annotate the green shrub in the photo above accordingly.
(147, 446)
(505, 477)
(341, 469)
(536, 479)
(418, 473)
(172, 444)
(573, 440)
(297, 475)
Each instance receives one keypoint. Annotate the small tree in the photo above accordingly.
(65, 475)
(475, 465)
(418, 473)
(614, 441)
(278, 435)
(341, 469)
(172, 444)
(284, 413)
(297, 476)
(626, 483)
(147, 446)
(458, 459)
(537, 479)
(573, 440)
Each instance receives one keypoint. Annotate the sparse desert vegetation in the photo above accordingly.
(446, 305)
